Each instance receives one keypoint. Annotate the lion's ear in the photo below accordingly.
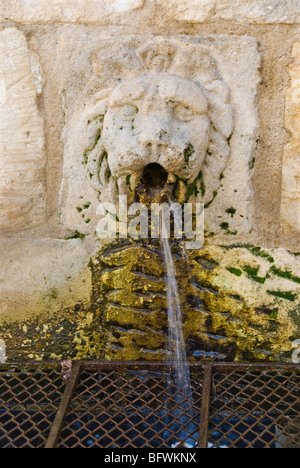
(94, 152)
(221, 115)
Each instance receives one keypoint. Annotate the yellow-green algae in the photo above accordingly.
(127, 315)
(217, 320)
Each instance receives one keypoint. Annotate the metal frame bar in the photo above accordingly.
(63, 408)
(150, 364)
(205, 406)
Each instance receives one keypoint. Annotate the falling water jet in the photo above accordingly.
(177, 351)
(157, 187)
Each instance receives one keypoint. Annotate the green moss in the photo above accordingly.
(274, 314)
(188, 153)
(231, 212)
(225, 227)
(100, 119)
(85, 157)
(75, 235)
(88, 151)
(285, 274)
(86, 205)
(215, 193)
(202, 184)
(256, 251)
(252, 273)
(193, 188)
(259, 252)
(208, 234)
(128, 182)
(235, 271)
(252, 163)
(289, 296)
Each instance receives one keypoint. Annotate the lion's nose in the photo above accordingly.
(155, 132)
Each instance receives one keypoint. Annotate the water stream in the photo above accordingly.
(183, 412)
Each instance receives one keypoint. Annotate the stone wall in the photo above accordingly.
(63, 65)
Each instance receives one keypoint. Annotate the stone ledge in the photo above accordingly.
(249, 11)
(66, 11)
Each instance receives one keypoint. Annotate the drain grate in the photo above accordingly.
(254, 409)
(131, 408)
(120, 405)
(29, 399)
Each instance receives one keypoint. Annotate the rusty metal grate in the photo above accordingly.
(255, 409)
(120, 405)
(131, 408)
(29, 400)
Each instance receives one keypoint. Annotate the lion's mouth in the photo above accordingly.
(155, 185)
(154, 176)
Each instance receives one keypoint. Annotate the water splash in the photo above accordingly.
(183, 411)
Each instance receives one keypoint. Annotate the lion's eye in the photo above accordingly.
(128, 111)
(184, 113)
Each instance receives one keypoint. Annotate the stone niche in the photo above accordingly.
(218, 72)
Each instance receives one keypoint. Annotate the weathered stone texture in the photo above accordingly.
(194, 11)
(108, 150)
(239, 302)
(290, 206)
(72, 11)
(251, 11)
(85, 86)
(22, 152)
(38, 276)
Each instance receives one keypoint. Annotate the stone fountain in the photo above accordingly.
(139, 113)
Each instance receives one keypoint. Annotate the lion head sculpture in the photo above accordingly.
(171, 108)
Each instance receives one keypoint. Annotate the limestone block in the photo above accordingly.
(22, 152)
(251, 11)
(189, 10)
(42, 275)
(290, 206)
(187, 103)
(71, 11)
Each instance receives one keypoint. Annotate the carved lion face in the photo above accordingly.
(157, 118)
(173, 110)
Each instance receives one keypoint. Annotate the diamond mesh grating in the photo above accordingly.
(133, 408)
(252, 409)
(120, 405)
(29, 400)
